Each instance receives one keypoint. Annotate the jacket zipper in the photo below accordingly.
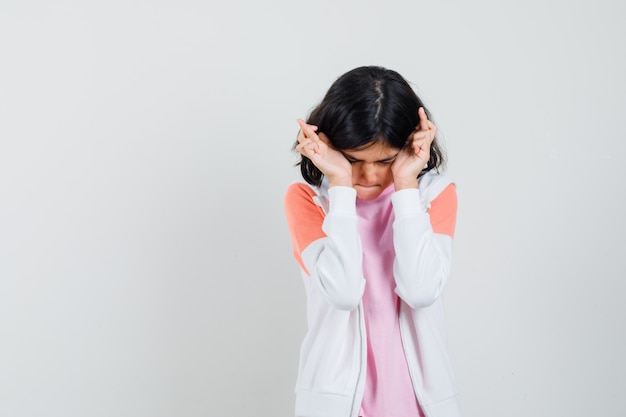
(410, 362)
(360, 384)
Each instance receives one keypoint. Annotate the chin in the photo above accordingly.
(368, 193)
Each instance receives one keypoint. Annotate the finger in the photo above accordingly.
(432, 127)
(428, 134)
(421, 135)
(421, 145)
(424, 122)
(432, 131)
(308, 148)
(309, 130)
(418, 144)
(306, 135)
(301, 137)
(302, 141)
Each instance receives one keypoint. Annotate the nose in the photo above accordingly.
(368, 173)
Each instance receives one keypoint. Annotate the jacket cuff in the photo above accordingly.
(342, 200)
(407, 203)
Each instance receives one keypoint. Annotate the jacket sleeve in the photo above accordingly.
(328, 247)
(423, 244)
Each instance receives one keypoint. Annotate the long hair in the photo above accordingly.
(367, 105)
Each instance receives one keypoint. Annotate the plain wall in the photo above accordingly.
(145, 264)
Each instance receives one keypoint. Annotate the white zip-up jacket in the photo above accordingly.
(333, 356)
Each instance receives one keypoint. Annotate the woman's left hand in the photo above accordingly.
(415, 155)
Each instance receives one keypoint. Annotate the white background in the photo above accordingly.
(145, 265)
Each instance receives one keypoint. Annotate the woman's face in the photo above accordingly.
(371, 169)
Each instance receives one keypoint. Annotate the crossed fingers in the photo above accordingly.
(424, 134)
(308, 141)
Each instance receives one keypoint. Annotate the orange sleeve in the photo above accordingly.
(304, 218)
(443, 211)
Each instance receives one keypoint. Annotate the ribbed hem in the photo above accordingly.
(407, 202)
(342, 200)
(448, 408)
(317, 404)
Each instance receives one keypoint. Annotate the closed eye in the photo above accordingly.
(351, 160)
(386, 161)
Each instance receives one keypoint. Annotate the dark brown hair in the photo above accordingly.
(367, 105)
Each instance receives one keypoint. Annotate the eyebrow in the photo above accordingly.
(353, 159)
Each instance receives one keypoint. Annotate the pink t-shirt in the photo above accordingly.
(388, 388)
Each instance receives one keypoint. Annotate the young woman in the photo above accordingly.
(372, 231)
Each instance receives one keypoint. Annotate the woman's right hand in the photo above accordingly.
(317, 148)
